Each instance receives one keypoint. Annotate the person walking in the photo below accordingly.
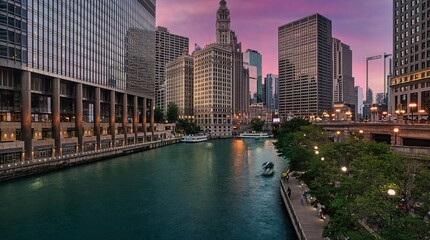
(289, 192)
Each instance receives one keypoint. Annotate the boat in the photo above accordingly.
(194, 138)
(268, 169)
(254, 135)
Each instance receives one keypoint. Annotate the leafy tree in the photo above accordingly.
(297, 145)
(359, 194)
(172, 112)
(187, 127)
(257, 124)
(158, 115)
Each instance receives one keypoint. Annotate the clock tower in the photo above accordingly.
(223, 24)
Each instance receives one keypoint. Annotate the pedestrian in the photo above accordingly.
(284, 175)
(289, 192)
(288, 177)
(302, 198)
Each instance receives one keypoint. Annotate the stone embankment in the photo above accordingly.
(30, 167)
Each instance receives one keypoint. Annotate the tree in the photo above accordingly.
(257, 124)
(187, 127)
(358, 194)
(158, 115)
(172, 112)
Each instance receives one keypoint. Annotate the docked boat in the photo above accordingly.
(194, 138)
(268, 169)
(254, 135)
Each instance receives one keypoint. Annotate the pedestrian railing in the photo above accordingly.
(295, 220)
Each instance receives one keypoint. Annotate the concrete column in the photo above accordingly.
(97, 116)
(112, 117)
(79, 116)
(26, 114)
(124, 117)
(56, 130)
(144, 118)
(152, 119)
(135, 118)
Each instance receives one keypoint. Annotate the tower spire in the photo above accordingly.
(223, 23)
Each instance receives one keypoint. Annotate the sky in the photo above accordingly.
(364, 25)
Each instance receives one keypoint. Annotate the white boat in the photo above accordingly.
(194, 138)
(254, 135)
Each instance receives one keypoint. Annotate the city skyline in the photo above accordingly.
(256, 24)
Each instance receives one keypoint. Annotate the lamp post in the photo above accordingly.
(373, 109)
(337, 135)
(395, 130)
(361, 134)
(412, 106)
(422, 112)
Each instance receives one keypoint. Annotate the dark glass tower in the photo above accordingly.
(76, 75)
(305, 67)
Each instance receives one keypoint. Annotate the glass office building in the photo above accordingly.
(75, 76)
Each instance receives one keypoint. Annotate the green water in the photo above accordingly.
(209, 190)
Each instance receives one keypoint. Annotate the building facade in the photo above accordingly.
(225, 36)
(254, 58)
(168, 47)
(74, 78)
(359, 100)
(213, 103)
(410, 84)
(343, 82)
(252, 82)
(179, 84)
(305, 67)
(271, 84)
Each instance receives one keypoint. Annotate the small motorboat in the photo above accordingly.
(268, 169)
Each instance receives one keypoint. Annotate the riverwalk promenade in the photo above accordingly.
(29, 167)
(305, 218)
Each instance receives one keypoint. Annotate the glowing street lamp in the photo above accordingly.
(391, 192)
(373, 110)
(395, 130)
(344, 169)
(412, 106)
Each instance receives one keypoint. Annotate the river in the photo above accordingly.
(209, 190)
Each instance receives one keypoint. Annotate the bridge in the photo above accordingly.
(405, 139)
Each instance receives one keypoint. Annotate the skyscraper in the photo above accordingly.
(179, 84)
(254, 58)
(225, 36)
(168, 47)
(359, 100)
(343, 82)
(75, 76)
(411, 52)
(213, 104)
(305, 67)
(252, 82)
(271, 84)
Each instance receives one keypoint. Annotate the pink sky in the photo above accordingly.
(364, 25)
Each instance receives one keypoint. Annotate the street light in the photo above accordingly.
(391, 192)
(411, 106)
(344, 169)
(373, 109)
(361, 134)
(395, 130)
(337, 135)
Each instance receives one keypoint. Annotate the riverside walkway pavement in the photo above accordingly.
(304, 216)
